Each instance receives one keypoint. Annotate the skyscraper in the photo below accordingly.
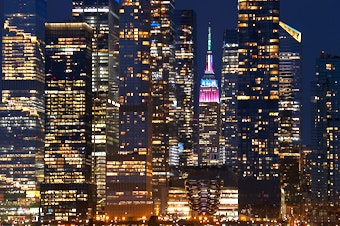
(325, 184)
(185, 45)
(67, 191)
(209, 113)
(163, 75)
(22, 109)
(290, 97)
(130, 188)
(1, 22)
(257, 106)
(228, 98)
(102, 16)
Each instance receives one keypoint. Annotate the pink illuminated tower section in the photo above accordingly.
(209, 95)
(209, 113)
(209, 91)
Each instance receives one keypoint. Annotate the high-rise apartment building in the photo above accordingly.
(67, 193)
(325, 183)
(257, 106)
(22, 109)
(290, 97)
(102, 16)
(209, 114)
(185, 50)
(229, 98)
(130, 189)
(163, 70)
(1, 32)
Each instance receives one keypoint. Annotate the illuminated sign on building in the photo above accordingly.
(209, 83)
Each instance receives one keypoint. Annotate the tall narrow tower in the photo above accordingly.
(325, 174)
(257, 110)
(130, 189)
(229, 98)
(163, 71)
(185, 44)
(290, 118)
(209, 115)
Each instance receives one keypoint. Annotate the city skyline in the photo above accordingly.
(111, 119)
(314, 24)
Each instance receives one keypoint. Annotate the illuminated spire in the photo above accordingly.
(209, 92)
(209, 38)
(209, 59)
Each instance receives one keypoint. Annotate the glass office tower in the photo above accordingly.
(290, 118)
(228, 98)
(185, 44)
(67, 193)
(163, 77)
(22, 109)
(130, 188)
(325, 186)
(258, 110)
(209, 114)
(102, 16)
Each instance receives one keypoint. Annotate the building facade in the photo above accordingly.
(325, 186)
(209, 114)
(67, 191)
(290, 96)
(163, 71)
(257, 106)
(185, 47)
(177, 203)
(229, 98)
(22, 110)
(102, 16)
(129, 193)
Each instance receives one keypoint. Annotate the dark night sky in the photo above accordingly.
(318, 20)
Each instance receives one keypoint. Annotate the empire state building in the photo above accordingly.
(209, 107)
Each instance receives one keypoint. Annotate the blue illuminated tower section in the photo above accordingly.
(22, 111)
(209, 115)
